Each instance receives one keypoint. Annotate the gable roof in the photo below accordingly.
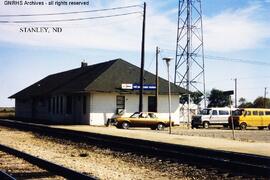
(103, 77)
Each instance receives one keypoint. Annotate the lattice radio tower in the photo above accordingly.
(189, 61)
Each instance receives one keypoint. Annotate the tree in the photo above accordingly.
(242, 100)
(244, 103)
(195, 97)
(218, 99)
(261, 102)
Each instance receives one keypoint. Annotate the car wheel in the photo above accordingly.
(160, 126)
(243, 126)
(125, 125)
(206, 125)
(269, 126)
(260, 128)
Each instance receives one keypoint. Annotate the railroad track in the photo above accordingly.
(236, 163)
(34, 167)
(6, 176)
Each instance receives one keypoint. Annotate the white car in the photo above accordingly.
(212, 116)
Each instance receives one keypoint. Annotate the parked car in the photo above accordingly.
(141, 119)
(211, 116)
(251, 117)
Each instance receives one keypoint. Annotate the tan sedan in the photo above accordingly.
(141, 119)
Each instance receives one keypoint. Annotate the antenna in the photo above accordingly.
(189, 60)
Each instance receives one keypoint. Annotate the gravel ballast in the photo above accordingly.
(103, 163)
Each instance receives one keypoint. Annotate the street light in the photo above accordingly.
(168, 59)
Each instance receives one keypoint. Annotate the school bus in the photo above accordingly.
(251, 117)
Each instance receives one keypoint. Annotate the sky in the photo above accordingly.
(232, 29)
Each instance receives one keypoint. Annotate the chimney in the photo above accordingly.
(83, 64)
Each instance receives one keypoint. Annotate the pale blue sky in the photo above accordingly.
(233, 29)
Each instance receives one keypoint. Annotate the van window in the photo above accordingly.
(223, 112)
(214, 112)
(261, 113)
(247, 113)
(267, 113)
(238, 112)
(205, 112)
(255, 113)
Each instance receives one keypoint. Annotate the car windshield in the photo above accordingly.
(135, 115)
(205, 112)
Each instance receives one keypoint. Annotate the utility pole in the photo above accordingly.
(157, 84)
(142, 60)
(235, 92)
(265, 97)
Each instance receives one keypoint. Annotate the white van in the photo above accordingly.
(211, 116)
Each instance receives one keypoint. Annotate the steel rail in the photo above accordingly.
(5, 176)
(238, 163)
(44, 164)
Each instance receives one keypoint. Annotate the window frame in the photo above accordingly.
(120, 102)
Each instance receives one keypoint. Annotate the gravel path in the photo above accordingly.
(103, 163)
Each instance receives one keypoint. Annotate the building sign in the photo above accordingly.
(145, 86)
(137, 86)
(127, 86)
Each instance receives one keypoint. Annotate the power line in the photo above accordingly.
(235, 60)
(72, 19)
(67, 13)
(211, 57)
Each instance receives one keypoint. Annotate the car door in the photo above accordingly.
(141, 121)
(256, 119)
(266, 118)
(261, 117)
(248, 118)
(152, 119)
(214, 117)
(223, 116)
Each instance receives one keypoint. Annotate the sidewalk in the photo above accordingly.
(257, 148)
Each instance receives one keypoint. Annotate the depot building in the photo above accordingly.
(93, 94)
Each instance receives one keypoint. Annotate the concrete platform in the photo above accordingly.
(256, 148)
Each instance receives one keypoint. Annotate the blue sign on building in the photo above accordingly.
(145, 87)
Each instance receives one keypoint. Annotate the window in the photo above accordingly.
(223, 112)
(267, 113)
(57, 104)
(61, 104)
(143, 115)
(69, 105)
(214, 112)
(120, 102)
(152, 115)
(53, 105)
(205, 112)
(84, 104)
(255, 113)
(261, 113)
(49, 105)
(152, 104)
(135, 115)
(247, 113)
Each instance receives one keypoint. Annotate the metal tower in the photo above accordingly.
(189, 61)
